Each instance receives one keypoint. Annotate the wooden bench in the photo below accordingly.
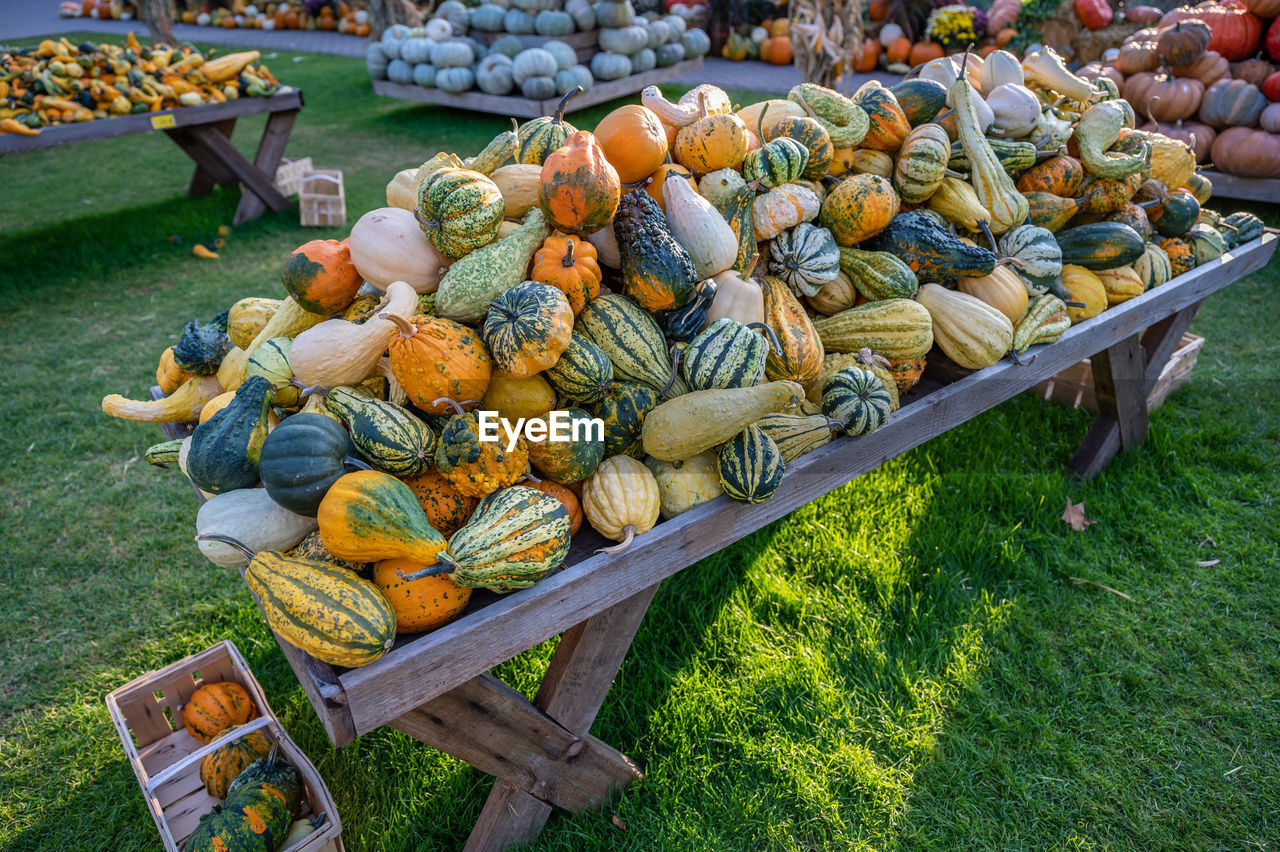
(438, 687)
(204, 133)
(1242, 188)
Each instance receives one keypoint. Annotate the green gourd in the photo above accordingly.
(224, 450)
(486, 273)
(856, 398)
(302, 458)
(797, 434)
(632, 342)
(930, 251)
(878, 275)
(725, 354)
(623, 409)
(750, 466)
(583, 373)
(255, 818)
(687, 425)
(386, 434)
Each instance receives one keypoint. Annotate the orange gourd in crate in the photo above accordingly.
(214, 707)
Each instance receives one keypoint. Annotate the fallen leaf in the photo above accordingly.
(616, 820)
(1074, 515)
(1209, 564)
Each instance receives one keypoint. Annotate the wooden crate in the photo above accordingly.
(322, 200)
(1073, 387)
(147, 713)
(289, 174)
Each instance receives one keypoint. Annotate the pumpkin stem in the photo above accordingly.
(528, 474)
(760, 124)
(353, 463)
(434, 570)
(808, 110)
(769, 334)
(558, 118)
(868, 357)
(310, 389)
(836, 426)
(702, 103)
(406, 328)
(226, 539)
(567, 261)
(630, 533)
(942, 115)
(458, 409)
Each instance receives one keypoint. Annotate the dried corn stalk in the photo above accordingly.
(826, 38)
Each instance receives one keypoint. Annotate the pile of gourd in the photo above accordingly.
(442, 55)
(723, 291)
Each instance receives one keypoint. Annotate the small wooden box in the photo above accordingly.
(322, 201)
(1073, 387)
(147, 713)
(289, 174)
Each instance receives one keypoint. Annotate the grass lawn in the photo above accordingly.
(906, 664)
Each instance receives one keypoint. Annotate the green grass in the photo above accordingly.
(905, 664)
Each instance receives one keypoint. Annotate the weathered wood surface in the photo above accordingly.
(520, 107)
(1245, 189)
(275, 136)
(439, 661)
(148, 122)
(203, 180)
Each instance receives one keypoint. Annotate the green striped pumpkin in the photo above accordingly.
(271, 361)
(527, 328)
(387, 435)
(327, 611)
(623, 409)
(898, 329)
(1037, 257)
(774, 163)
(806, 257)
(1207, 243)
(537, 138)
(725, 354)
(631, 340)
(856, 397)
(878, 275)
(922, 163)
(1153, 267)
(515, 537)
(459, 210)
(750, 466)
(797, 434)
(583, 372)
(1240, 228)
(571, 460)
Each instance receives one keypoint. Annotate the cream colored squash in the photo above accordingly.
(782, 208)
(606, 243)
(621, 500)
(1002, 290)
(706, 236)
(518, 183)
(685, 485)
(337, 352)
(967, 329)
(250, 516)
(387, 245)
(1000, 68)
(764, 115)
(737, 298)
(402, 190)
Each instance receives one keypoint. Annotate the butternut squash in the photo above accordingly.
(337, 352)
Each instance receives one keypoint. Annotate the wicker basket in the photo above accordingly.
(1073, 387)
(289, 174)
(147, 714)
(322, 201)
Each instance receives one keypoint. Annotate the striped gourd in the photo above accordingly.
(797, 434)
(459, 210)
(878, 275)
(774, 163)
(1014, 156)
(583, 373)
(1037, 258)
(631, 340)
(515, 537)
(740, 214)
(894, 328)
(922, 163)
(1045, 321)
(572, 459)
(797, 355)
(327, 611)
(856, 397)
(271, 361)
(806, 257)
(845, 122)
(1153, 266)
(623, 409)
(725, 354)
(387, 435)
(750, 466)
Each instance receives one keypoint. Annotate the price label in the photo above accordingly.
(160, 122)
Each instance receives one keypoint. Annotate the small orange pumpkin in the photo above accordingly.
(871, 49)
(633, 140)
(214, 707)
(579, 190)
(565, 496)
(924, 51)
(898, 50)
(571, 266)
(446, 507)
(434, 358)
(711, 142)
(320, 276)
(169, 376)
(422, 604)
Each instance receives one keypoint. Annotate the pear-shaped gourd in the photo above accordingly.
(475, 280)
(337, 352)
(698, 226)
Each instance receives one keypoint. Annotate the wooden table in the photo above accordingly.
(438, 688)
(204, 133)
(1244, 189)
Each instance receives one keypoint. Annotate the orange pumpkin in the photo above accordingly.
(446, 507)
(320, 276)
(924, 51)
(633, 140)
(422, 604)
(777, 50)
(1005, 36)
(655, 184)
(711, 142)
(570, 265)
(169, 376)
(214, 707)
(871, 49)
(436, 359)
(898, 50)
(565, 496)
(579, 189)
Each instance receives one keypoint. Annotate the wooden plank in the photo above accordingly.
(202, 181)
(495, 729)
(209, 169)
(1245, 189)
(275, 136)
(525, 108)
(147, 122)
(1120, 387)
(441, 660)
(254, 181)
(320, 683)
(572, 690)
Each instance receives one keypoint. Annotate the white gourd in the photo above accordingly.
(1015, 110)
(699, 227)
(737, 298)
(388, 245)
(1001, 68)
(338, 352)
(250, 516)
(967, 329)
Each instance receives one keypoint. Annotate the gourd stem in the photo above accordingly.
(942, 115)
(676, 352)
(434, 570)
(955, 174)
(769, 334)
(226, 539)
(406, 328)
(868, 357)
(310, 389)
(629, 531)
(985, 227)
(458, 409)
(528, 474)
(808, 110)
(354, 463)
(1012, 261)
(567, 261)
(702, 103)
(1017, 359)
(760, 123)
(558, 118)
(836, 426)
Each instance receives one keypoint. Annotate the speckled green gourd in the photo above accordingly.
(486, 273)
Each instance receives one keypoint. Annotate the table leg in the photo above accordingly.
(257, 185)
(579, 677)
(275, 136)
(202, 181)
(209, 169)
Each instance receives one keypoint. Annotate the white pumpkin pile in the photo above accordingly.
(447, 55)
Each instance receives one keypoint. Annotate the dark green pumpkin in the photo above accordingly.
(920, 100)
(201, 348)
(930, 251)
(573, 460)
(780, 161)
(275, 771)
(877, 274)
(681, 324)
(815, 139)
(1101, 245)
(302, 457)
(656, 270)
(1177, 214)
(539, 137)
(631, 340)
(623, 409)
(750, 466)
(225, 448)
(1240, 228)
(255, 818)
(725, 354)
(583, 372)
(856, 397)
(391, 438)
